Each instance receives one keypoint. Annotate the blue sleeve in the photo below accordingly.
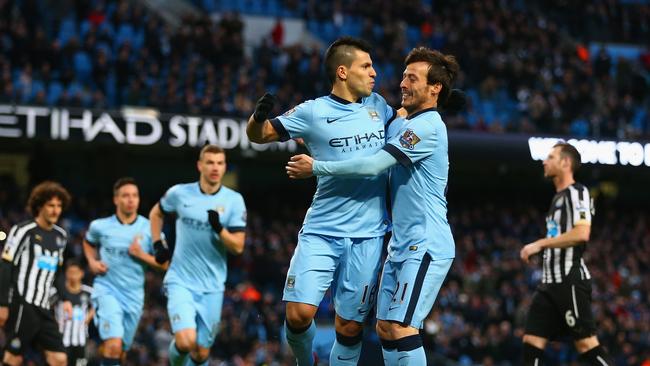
(360, 167)
(295, 122)
(413, 143)
(170, 200)
(93, 235)
(237, 217)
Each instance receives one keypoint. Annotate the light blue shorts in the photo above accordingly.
(114, 321)
(199, 311)
(352, 262)
(409, 288)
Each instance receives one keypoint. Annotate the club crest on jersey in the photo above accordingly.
(409, 139)
(15, 343)
(60, 242)
(373, 115)
(220, 209)
(291, 281)
(289, 112)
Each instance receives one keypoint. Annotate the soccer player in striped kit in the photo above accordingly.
(30, 261)
(562, 302)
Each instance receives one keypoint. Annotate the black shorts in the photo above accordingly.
(77, 356)
(562, 309)
(30, 325)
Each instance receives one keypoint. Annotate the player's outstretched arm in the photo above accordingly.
(303, 166)
(259, 129)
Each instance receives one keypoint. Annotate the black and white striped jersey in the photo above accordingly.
(74, 328)
(35, 254)
(569, 208)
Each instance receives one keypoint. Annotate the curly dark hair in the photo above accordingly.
(44, 192)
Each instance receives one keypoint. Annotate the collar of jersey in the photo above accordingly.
(126, 223)
(209, 194)
(432, 109)
(336, 98)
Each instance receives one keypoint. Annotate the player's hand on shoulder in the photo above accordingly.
(4, 315)
(300, 166)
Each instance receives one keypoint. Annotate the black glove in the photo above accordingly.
(161, 252)
(263, 107)
(213, 219)
(455, 101)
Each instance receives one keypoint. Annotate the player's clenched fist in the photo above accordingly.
(213, 219)
(161, 252)
(263, 107)
(300, 167)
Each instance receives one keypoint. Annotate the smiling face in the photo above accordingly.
(417, 94)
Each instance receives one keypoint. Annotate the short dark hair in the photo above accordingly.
(211, 148)
(569, 151)
(340, 52)
(45, 192)
(121, 183)
(443, 69)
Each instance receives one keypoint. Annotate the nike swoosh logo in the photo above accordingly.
(330, 120)
(346, 359)
(393, 308)
(363, 311)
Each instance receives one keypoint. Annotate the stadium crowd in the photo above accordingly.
(478, 316)
(527, 66)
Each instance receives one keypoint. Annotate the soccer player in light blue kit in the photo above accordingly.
(117, 248)
(421, 249)
(343, 230)
(210, 221)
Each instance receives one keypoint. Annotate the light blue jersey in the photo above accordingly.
(418, 187)
(199, 259)
(336, 129)
(125, 276)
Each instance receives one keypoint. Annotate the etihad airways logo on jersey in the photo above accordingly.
(359, 142)
(196, 224)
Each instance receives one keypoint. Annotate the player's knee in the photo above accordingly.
(585, 344)
(200, 355)
(113, 348)
(12, 359)
(185, 341)
(535, 341)
(300, 315)
(348, 328)
(57, 359)
(383, 329)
